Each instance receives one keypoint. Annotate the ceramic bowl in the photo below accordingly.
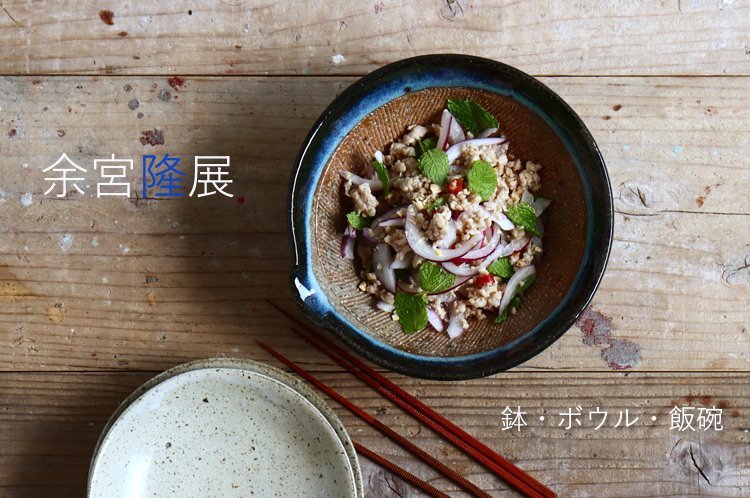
(539, 125)
(224, 428)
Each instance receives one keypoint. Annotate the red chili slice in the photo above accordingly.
(455, 186)
(484, 280)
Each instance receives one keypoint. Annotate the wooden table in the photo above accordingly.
(97, 295)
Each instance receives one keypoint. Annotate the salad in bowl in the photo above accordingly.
(445, 223)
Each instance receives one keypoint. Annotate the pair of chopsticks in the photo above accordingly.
(384, 429)
(426, 487)
(486, 456)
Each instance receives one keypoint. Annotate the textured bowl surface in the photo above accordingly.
(224, 428)
(539, 126)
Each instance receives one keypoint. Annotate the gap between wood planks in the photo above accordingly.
(346, 75)
(140, 199)
(541, 371)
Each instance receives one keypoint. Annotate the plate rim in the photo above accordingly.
(242, 364)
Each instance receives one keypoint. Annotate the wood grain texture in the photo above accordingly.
(142, 284)
(49, 424)
(674, 37)
(99, 295)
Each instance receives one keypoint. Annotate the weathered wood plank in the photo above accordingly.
(142, 284)
(671, 144)
(49, 424)
(349, 37)
(150, 307)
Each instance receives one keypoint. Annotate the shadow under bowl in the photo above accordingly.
(540, 127)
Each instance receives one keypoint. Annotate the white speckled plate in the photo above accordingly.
(224, 428)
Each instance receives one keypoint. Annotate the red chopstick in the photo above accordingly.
(459, 434)
(387, 431)
(501, 472)
(426, 487)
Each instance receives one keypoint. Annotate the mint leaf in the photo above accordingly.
(357, 221)
(412, 311)
(434, 165)
(425, 145)
(434, 279)
(514, 303)
(525, 285)
(483, 180)
(382, 176)
(501, 268)
(471, 116)
(522, 215)
(402, 272)
(438, 202)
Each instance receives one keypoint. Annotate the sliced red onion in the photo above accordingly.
(498, 217)
(381, 262)
(468, 271)
(408, 288)
(480, 244)
(540, 205)
(503, 220)
(486, 132)
(382, 305)
(482, 252)
(445, 297)
(347, 247)
(393, 222)
(414, 277)
(457, 170)
(420, 245)
(373, 235)
(455, 326)
(463, 270)
(434, 319)
(540, 227)
(456, 133)
(412, 288)
(379, 157)
(455, 150)
(494, 255)
(500, 146)
(450, 237)
(516, 245)
(483, 210)
(536, 241)
(445, 127)
(374, 184)
(402, 264)
(388, 215)
(350, 230)
(510, 290)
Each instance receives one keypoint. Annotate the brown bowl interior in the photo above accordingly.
(530, 138)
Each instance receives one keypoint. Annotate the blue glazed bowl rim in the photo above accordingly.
(448, 70)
